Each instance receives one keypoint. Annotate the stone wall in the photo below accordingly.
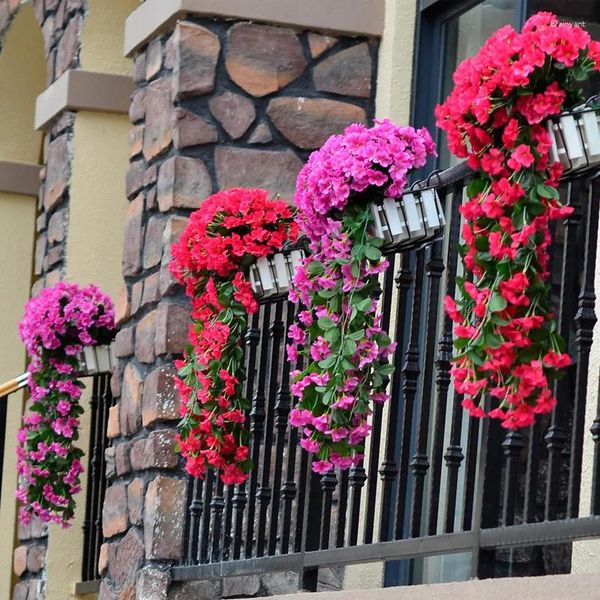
(60, 21)
(217, 104)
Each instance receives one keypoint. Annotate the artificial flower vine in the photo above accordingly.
(56, 326)
(223, 238)
(505, 335)
(338, 330)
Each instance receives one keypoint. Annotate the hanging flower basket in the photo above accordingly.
(575, 137)
(272, 276)
(412, 220)
(96, 359)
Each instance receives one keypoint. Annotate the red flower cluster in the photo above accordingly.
(224, 236)
(506, 338)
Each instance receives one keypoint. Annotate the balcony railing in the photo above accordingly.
(433, 482)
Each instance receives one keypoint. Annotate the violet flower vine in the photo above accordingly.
(56, 326)
(338, 331)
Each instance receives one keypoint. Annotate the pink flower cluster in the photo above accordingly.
(56, 326)
(338, 330)
(507, 344)
(357, 162)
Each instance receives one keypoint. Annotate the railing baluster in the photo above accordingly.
(263, 494)
(216, 508)
(513, 444)
(471, 461)
(194, 517)
(282, 411)
(585, 319)
(389, 469)
(328, 485)
(410, 373)
(377, 419)
(90, 513)
(340, 537)
(289, 491)
(557, 436)
(106, 402)
(205, 531)
(257, 419)
(453, 455)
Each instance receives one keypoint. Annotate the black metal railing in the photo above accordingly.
(3, 416)
(100, 402)
(433, 481)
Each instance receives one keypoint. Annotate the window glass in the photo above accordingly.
(464, 36)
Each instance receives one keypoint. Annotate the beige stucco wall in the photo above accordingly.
(21, 62)
(394, 78)
(586, 555)
(103, 34)
(96, 229)
(16, 249)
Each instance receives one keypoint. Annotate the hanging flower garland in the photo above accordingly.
(223, 238)
(505, 334)
(57, 325)
(339, 330)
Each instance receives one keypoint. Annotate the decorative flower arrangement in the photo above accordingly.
(338, 330)
(57, 325)
(223, 238)
(506, 338)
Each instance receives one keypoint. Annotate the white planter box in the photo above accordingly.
(97, 359)
(273, 275)
(414, 219)
(575, 139)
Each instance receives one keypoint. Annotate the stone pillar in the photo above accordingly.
(218, 103)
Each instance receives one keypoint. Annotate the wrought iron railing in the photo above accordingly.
(100, 402)
(433, 482)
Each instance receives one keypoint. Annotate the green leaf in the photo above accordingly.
(475, 187)
(316, 268)
(372, 253)
(386, 369)
(325, 323)
(349, 347)
(327, 362)
(364, 305)
(547, 191)
(332, 335)
(497, 303)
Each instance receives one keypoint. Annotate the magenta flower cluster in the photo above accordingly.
(361, 160)
(338, 335)
(56, 326)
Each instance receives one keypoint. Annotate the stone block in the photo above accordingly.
(131, 400)
(196, 52)
(262, 59)
(122, 461)
(132, 252)
(128, 559)
(153, 242)
(274, 170)
(160, 400)
(172, 325)
(164, 512)
(145, 335)
(160, 450)
(235, 113)
(308, 122)
(182, 183)
(58, 171)
(158, 130)
(114, 510)
(123, 345)
(152, 584)
(20, 560)
(191, 130)
(113, 429)
(319, 44)
(347, 72)
(135, 501)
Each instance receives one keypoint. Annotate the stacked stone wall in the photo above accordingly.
(217, 104)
